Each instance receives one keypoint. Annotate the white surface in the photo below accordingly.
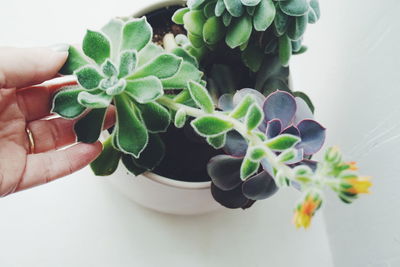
(82, 221)
(353, 67)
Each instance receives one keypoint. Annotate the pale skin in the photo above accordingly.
(22, 108)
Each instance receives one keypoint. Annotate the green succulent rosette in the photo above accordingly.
(257, 27)
(120, 66)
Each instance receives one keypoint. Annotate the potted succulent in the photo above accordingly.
(202, 96)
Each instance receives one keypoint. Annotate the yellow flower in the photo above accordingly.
(359, 185)
(306, 210)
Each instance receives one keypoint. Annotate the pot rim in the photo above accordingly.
(157, 5)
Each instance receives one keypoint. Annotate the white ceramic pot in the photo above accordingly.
(160, 193)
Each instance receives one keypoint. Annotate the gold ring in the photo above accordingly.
(30, 140)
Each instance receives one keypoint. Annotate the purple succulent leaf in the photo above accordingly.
(274, 128)
(303, 111)
(263, 127)
(232, 199)
(225, 172)
(267, 167)
(225, 102)
(235, 145)
(293, 130)
(239, 95)
(260, 186)
(312, 136)
(280, 105)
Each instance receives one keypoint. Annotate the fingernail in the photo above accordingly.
(59, 47)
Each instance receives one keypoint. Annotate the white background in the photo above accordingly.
(351, 72)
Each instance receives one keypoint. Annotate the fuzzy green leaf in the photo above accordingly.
(153, 154)
(65, 103)
(163, 66)
(219, 8)
(281, 22)
(241, 109)
(234, 7)
(131, 135)
(109, 69)
(256, 153)
(131, 164)
(248, 168)
(194, 21)
(264, 15)
(188, 72)
(178, 15)
(195, 40)
(294, 7)
(88, 128)
(285, 50)
(218, 141)
(201, 96)
(148, 53)
(213, 30)
(283, 142)
(239, 32)
(96, 46)
(183, 53)
(127, 64)
(287, 155)
(180, 118)
(226, 19)
(88, 77)
(253, 117)
(113, 30)
(117, 88)
(97, 99)
(156, 117)
(211, 126)
(107, 162)
(74, 61)
(297, 27)
(145, 90)
(136, 34)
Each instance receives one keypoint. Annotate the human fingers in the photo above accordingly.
(57, 133)
(35, 101)
(20, 67)
(46, 167)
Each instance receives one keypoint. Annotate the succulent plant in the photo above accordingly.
(257, 27)
(283, 114)
(121, 66)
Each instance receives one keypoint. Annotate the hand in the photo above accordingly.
(22, 109)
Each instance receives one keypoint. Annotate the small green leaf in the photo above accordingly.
(180, 118)
(163, 66)
(156, 117)
(183, 53)
(144, 90)
(250, 2)
(256, 153)
(187, 72)
(74, 61)
(297, 27)
(306, 99)
(136, 34)
(97, 99)
(178, 15)
(148, 53)
(113, 30)
(226, 19)
(109, 69)
(264, 15)
(131, 164)
(211, 126)
(201, 96)
(287, 155)
(213, 30)
(281, 22)
(88, 128)
(96, 46)
(117, 88)
(241, 109)
(285, 50)
(218, 141)
(195, 40)
(294, 7)
(248, 168)
(153, 154)
(219, 8)
(107, 162)
(65, 103)
(127, 64)
(234, 7)
(131, 135)
(194, 21)
(283, 142)
(239, 32)
(88, 77)
(254, 117)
